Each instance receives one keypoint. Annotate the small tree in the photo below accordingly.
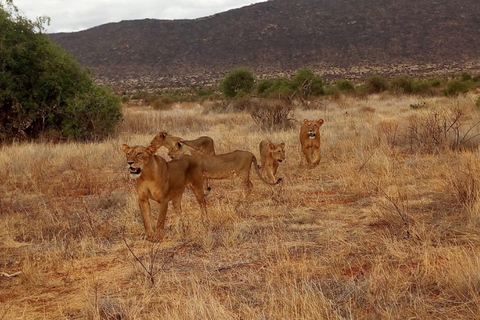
(238, 81)
(345, 85)
(376, 84)
(306, 83)
(44, 90)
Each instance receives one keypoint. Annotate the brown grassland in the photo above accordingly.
(386, 227)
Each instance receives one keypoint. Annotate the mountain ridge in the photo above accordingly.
(336, 38)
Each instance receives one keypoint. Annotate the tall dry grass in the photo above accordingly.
(386, 227)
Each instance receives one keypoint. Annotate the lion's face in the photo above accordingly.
(277, 151)
(159, 139)
(137, 158)
(312, 127)
(177, 150)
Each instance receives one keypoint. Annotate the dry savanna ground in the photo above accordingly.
(386, 227)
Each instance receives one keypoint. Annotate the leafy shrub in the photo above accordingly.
(43, 89)
(456, 87)
(403, 84)
(306, 83)
(345, 85)
(376, 84)
(91, 115)
(239, 81)
(465, 76)
(278, 88)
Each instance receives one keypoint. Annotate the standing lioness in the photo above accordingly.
(204, 144)
(222, 166)
(270, 156)
(163, 182)
(310, 141)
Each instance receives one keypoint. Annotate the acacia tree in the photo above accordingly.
(44, 90)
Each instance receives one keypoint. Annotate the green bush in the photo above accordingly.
(345, 85)
(239, 81)
(455, 87)
(43, 89)
(403, 84)
(465, 76)
(376, 84)
(278, 88)
(306, 83)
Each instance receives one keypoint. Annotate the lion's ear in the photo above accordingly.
(305, 120)
(271, 146)
(179, 144)
(320, 122)
(151, 149)
(125, 148)
(282, 144)
(164, 134)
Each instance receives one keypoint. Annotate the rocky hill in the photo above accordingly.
(337, 38)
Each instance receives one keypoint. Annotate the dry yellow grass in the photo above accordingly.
(386, 227)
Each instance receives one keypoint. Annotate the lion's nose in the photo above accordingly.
(129, 163)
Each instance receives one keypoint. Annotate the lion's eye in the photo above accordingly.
(139, 154)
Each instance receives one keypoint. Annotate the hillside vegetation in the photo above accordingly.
(338, 39)
(386, 227)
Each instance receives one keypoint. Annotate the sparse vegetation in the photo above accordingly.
(378, 230)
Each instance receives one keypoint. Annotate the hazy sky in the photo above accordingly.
(75, 15)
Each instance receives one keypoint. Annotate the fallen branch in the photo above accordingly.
(7, 275)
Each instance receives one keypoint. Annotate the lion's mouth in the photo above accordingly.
(135, 171)
(312, 135)
(279, 160)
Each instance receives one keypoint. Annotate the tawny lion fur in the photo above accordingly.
(222, 166)
(271, 155)
(163, 182)
(310, 141)
(204, 144)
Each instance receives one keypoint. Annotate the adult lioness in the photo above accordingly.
(222, 166)
(270, 156)
(163, 182)
(204, 144)
(310, 141)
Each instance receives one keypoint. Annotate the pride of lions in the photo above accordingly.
(195, 161)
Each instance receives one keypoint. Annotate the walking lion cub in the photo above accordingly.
(271, 155)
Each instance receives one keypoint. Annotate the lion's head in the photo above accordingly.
(277, 151)
(179, 149)
(311, 127)
(137, 158)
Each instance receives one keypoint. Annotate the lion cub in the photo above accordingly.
(163, 182)
(270, 156)
(310, 141)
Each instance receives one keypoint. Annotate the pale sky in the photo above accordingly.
(76, 15)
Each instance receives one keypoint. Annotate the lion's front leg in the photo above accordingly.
(271, 173)
(316, 152)
(145, 210)
(308, 155)
(162, 216)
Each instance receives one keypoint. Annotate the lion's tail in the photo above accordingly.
(257, 169)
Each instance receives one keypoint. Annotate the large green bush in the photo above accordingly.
(237, 82)
(43, 89)
(306, 83)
